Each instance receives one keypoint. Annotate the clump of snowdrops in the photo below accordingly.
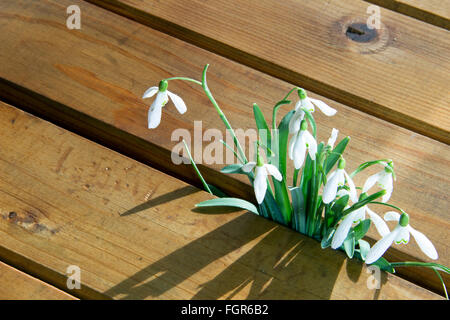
(321, 201)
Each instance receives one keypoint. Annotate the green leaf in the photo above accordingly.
(326, 240)
(349, 244)
(336, 154)
(361, 229)
(229, 202)
(336, 210)
(273, 209)
(364, 248)
(261, 124)
(299, 210)
(384, 265)
(217, 192)
(362, 203)
(233, 168)
(282, 136)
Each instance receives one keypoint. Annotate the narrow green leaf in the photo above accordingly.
(229, 202)
(233, 168)
(281, 138)
(326, 240)
(384, 265)
(362, 203)
(364, 248)
(349, 244)
(261, 124)
(299, 210)
(336, 153)
(361, 229)
(217, 192)
(273, 209)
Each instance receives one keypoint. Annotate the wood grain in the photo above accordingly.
(16, 285)
(436, 12)
(91, 81)
(401, 75)
(132, 232)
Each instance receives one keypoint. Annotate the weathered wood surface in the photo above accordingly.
(16, 285)
(91, 80)
(65, 200)
(436, 12)
(401, 75)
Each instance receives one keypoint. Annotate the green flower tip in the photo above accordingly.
(341, 163)
(303, 125)
(259, 161)
(404, 219)
(302, 93)
(363, 196)
(163, 84)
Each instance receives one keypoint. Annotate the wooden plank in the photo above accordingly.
(16, 285)
(436, 12)
(132, 231)
(400, 75)
(94, 78)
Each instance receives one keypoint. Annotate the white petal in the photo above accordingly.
(386, 183)
(342, 230)
(360, 214)
(260, 183)
(292, 145)
(298, 105)
(353, 194)
(330, 189)
(248, 166)
(312, 144)
(178, 102)
(379, 223)
(294, 123)
(392, 216)
(402, 236)
(299, 151)
(326, 109)
(370, 182)
(307, 105)
(424, 243)
(272, 170)
(381, 246)
(333, 137)
(154, 116)
(150, 92)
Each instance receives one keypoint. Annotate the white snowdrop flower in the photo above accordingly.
(162, 97)
(337, 179)
(306, 103)
(300, 142)
(262, 170)
(333, 137)
(383, 179)
(400, 235)
(356, 217)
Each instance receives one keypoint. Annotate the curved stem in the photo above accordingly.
(185, 79)
(388, 205)
(221, 114)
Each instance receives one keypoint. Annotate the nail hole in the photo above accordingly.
(360, 32)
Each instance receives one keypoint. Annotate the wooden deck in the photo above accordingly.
(84, 182)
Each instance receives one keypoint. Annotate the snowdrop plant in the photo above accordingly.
(321, 199)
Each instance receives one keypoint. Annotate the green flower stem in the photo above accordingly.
(427, 265)
(388, 205)
(221, 114)
(368, 164)
(185, 79)
(205, 185)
